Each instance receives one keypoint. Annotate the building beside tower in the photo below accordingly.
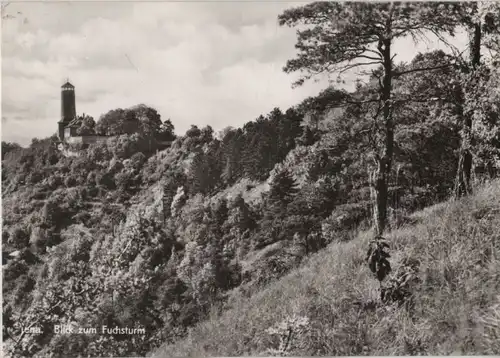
(69, 124)
(73, 129)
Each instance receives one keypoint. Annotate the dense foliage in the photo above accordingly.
(156, 231)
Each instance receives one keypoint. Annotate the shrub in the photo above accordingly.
(341, 224)
(19, 237)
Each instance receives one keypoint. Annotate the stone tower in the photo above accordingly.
(68, 107)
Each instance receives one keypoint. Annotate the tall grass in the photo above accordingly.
(456, 305)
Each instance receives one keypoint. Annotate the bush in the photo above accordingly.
(70, 181)
(40, 238)
(19, 237)
(343, 221)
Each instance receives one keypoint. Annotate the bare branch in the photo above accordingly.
(397, 74)
(379, 59)
(372, 51)
(349, 67)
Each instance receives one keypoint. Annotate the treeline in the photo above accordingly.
(130, 234)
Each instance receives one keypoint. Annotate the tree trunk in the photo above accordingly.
(380, 180)
(463, 180)
(379, 184)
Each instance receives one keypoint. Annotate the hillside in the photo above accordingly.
(127, 233)
(361, 221)
(120, 235)
(331, 304)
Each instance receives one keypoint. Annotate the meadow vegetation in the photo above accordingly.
(356, 222)
(331, 304)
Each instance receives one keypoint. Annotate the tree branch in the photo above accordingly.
(349, 67)
(378, 59)
(397, 74)
(372, 51)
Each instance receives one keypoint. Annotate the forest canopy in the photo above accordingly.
(163, 231)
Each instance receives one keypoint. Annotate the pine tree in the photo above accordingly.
(283, 187)
(481, 19)
(338, 37)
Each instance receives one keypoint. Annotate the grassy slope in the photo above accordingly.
(458, 245)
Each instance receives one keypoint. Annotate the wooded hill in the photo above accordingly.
(128, 234)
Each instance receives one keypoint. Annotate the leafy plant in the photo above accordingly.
(399, 288)
(377, 258)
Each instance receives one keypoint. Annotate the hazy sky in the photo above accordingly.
(217, 63)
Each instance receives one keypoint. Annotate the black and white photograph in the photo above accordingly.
(250, 178)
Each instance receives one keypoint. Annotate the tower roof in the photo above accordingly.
(67, 84)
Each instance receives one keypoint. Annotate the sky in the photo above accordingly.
(202, 63)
